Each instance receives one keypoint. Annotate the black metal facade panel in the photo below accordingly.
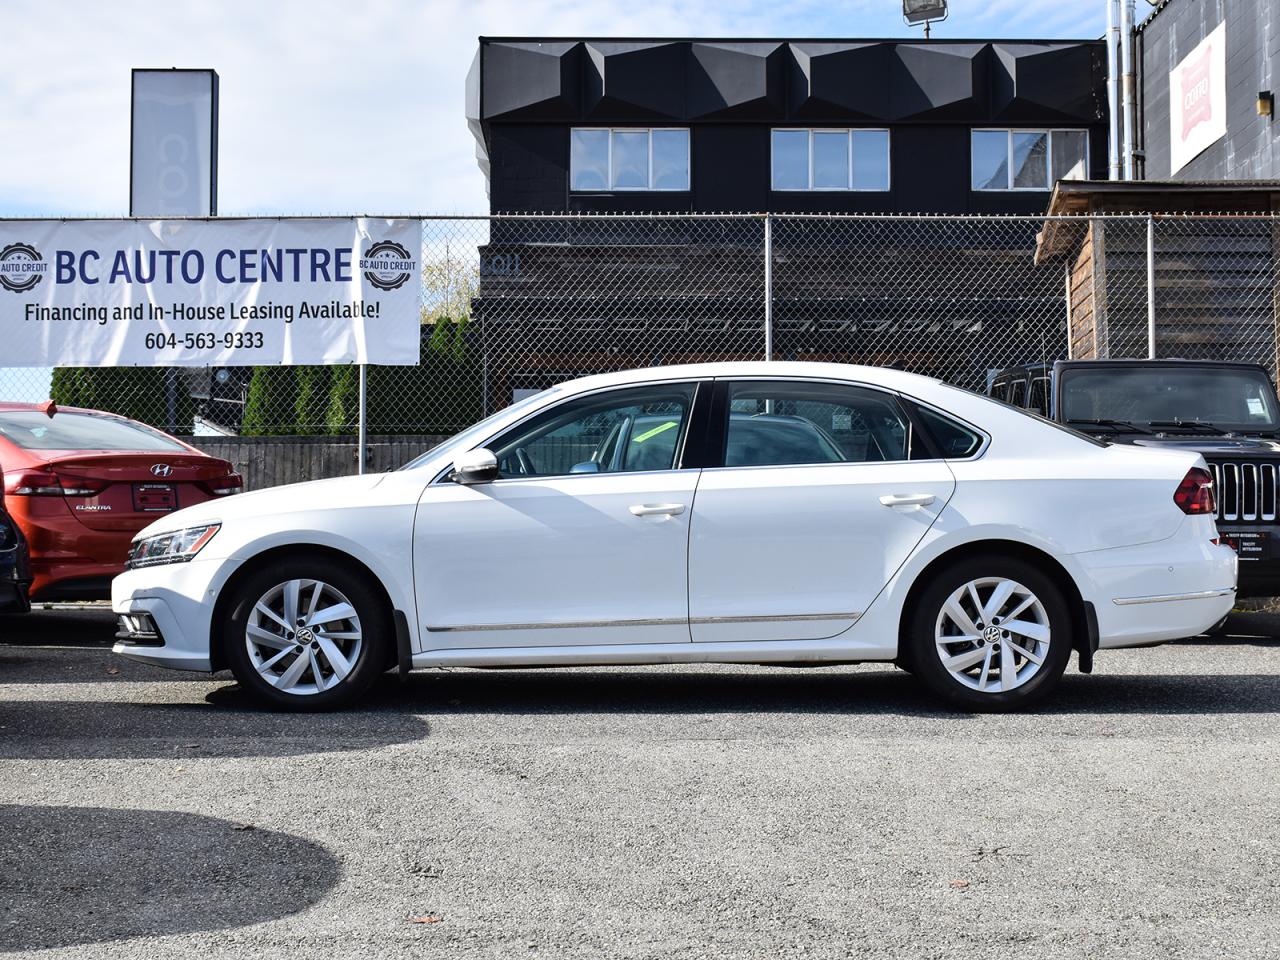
(626, 81)
(1251, 148)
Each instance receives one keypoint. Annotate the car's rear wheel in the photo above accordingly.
(307, 634)
(990, 633)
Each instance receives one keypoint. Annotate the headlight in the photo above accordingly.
(176, 547)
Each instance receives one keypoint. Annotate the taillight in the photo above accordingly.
(30, 483)
(33, 483)
(225, 486)
(1195, 493)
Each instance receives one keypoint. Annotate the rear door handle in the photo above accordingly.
(658, 509)
(907, 499)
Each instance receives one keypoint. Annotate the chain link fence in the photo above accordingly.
(513, 304)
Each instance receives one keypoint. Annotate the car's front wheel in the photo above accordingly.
(990, 633)
(307, 634)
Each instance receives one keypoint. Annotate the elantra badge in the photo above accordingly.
(161, 470)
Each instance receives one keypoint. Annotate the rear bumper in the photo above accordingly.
(1161, 591)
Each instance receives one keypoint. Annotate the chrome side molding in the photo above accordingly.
(655, 622)
(1166, 598)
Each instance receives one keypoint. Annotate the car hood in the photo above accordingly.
(273, 501)
(1212, 446)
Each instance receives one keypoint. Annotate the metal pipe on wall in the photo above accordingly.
(1113, 89)
(1128, 90)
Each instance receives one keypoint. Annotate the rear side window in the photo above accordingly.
(782, 422)
(954, 440)
(33, 430)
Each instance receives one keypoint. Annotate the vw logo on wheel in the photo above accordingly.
(161, 470)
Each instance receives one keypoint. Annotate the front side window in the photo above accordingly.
(620, 431)
(628, 158)
(822, 159)
(776, 423)
(1027, 159)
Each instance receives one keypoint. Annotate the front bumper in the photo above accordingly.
(178, 600)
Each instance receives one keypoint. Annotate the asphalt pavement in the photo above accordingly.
(685, 812)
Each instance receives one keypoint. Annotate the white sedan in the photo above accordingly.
(781, 513)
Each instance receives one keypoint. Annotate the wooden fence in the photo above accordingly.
(273, 461)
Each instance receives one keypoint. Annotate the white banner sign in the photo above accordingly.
(1198, 99)
(105, 293)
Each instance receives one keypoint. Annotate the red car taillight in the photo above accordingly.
(36, 483)
(225, 486)
(1195, 493)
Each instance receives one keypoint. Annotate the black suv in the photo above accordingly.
(1225, 411)
(15, 570)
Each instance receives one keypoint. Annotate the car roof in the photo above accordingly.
(783, 369)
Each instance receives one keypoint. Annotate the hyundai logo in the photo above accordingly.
(161, 470)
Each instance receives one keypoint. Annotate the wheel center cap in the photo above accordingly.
(991, 634)
(304, 635)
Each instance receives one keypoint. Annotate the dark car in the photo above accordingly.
(1227, 412)
(15, 565)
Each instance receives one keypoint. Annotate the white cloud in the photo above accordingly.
(333, 107)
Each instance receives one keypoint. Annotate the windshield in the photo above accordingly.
(34, 430)
(465, 439)
(1236, 400)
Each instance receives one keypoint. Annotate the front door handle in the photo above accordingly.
(657, 509)
(907, 499)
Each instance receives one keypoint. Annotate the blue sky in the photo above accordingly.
(331, 107)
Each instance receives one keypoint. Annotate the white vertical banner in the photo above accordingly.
(173, 150)
(210, 292)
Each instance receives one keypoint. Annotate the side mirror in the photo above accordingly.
(589, 467)
(475, 466)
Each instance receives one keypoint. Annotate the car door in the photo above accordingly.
(581, 540)
(815, 505)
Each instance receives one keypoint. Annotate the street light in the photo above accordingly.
(923, 11)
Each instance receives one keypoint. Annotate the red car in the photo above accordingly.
(80, 483)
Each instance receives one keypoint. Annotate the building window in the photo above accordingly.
(629, 158)
(1027, 159)
(824, 159)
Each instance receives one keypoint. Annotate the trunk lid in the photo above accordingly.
(126, 491)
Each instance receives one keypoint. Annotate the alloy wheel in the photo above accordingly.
(303, 637)
(992, 635)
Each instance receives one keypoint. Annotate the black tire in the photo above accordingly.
(924, 656)
(376, 643)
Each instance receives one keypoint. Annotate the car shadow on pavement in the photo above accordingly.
(87, 875)
(810, 690)
(229, 725)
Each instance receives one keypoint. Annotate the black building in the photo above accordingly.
(575, 126)
(777, 125)
(1249, 147)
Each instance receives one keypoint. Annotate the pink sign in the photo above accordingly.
(1197, 104)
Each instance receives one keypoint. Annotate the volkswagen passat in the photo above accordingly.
(746, 512)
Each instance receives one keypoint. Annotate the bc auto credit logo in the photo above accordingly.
(21, 267)
(387, 265)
